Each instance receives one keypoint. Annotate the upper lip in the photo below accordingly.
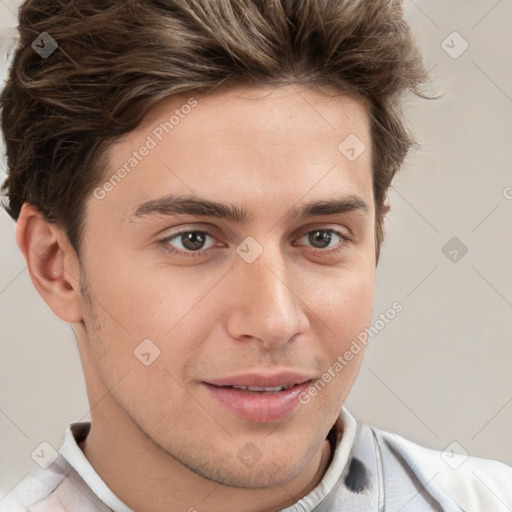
(262, 380)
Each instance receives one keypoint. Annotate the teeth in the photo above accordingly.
(269, 390)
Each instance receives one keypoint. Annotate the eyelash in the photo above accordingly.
(164, 243)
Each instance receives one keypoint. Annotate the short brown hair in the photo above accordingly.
(117, 58)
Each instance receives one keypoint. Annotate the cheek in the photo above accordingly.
(343, 300)
(137, 302)
(341, 315)
(138, 312)
(343, 309)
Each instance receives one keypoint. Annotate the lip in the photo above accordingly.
(258, 406)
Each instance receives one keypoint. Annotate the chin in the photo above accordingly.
(260, 476)
(247, 468)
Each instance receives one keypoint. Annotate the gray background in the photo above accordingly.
(439, 372)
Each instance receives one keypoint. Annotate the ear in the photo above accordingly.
(386, 209)
(52, 263)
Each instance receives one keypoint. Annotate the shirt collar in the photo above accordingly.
(76, 433)
(345, 432)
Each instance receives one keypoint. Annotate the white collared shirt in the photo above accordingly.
(371, 469)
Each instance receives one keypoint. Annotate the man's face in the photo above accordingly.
(269, 300)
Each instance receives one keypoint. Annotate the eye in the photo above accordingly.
(327, 241)
(189, 243)
(194, 243)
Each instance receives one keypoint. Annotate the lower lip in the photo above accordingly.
(258, 406)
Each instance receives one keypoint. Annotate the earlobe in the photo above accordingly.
(387, 207)
(51, 262)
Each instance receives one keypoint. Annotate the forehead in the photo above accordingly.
(260, 145)
(238, 113)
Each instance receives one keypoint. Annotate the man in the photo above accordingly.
(199, 188)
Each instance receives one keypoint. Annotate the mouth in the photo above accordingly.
(274, 389)
(259, 398)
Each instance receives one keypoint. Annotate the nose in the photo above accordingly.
(265, 304)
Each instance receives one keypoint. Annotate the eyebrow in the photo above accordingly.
(192, 205)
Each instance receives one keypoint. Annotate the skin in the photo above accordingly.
(157, 436)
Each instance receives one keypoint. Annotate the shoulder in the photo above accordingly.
(473, 483)
(35, 488)
(58, 488)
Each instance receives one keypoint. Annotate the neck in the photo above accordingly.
(146, 478)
